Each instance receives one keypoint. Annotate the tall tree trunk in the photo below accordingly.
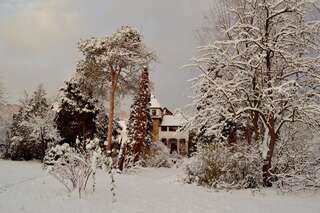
(268, 161)
(271, 120)
(256, 127)
(111, 111)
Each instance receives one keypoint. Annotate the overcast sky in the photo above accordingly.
(38, 40)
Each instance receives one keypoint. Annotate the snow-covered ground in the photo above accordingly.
(25, 187)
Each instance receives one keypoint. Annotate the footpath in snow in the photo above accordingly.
(25, 187)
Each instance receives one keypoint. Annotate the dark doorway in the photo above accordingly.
(173, 145)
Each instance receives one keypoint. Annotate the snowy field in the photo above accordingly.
(25, 187)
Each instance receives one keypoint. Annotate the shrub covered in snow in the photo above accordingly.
(74, 167)
(220, 166)
(297, 161)
(69, 167)
(160, 157)
(296, 164)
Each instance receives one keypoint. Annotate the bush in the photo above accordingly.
(73, 168)
(297, 163)
(221, 166)
(3, 150)
(160, 157)
(69, 167)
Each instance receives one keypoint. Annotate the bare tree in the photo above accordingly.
(263, 74)
(217, 20)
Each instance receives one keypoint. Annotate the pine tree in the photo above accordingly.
(140, 123)
(76, 114)
(38, 102)
(117, 58)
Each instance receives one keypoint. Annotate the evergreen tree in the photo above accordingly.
(38, 103)
(140, 123)
(76, 114)
(18, 137)
(32, 128)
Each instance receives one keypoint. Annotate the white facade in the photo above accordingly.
(167, 128)
(170, 127)
(171, 135)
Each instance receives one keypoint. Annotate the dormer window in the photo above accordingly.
(154, 112)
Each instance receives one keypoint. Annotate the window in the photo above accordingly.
(164, 129)
(173, 128)
(154, 112)
(182, 141)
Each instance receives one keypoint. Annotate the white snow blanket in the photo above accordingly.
(25, 187)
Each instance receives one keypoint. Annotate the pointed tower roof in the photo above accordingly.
(154, 102)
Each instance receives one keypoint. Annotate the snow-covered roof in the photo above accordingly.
(173, 120)
(154, 102)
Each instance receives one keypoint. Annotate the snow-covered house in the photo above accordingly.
(166, 128)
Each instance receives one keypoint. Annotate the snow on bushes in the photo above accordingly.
(69, 167)
(157, 157)
(296, 163)
(221, 166)
(160, 156)
(73, 167)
